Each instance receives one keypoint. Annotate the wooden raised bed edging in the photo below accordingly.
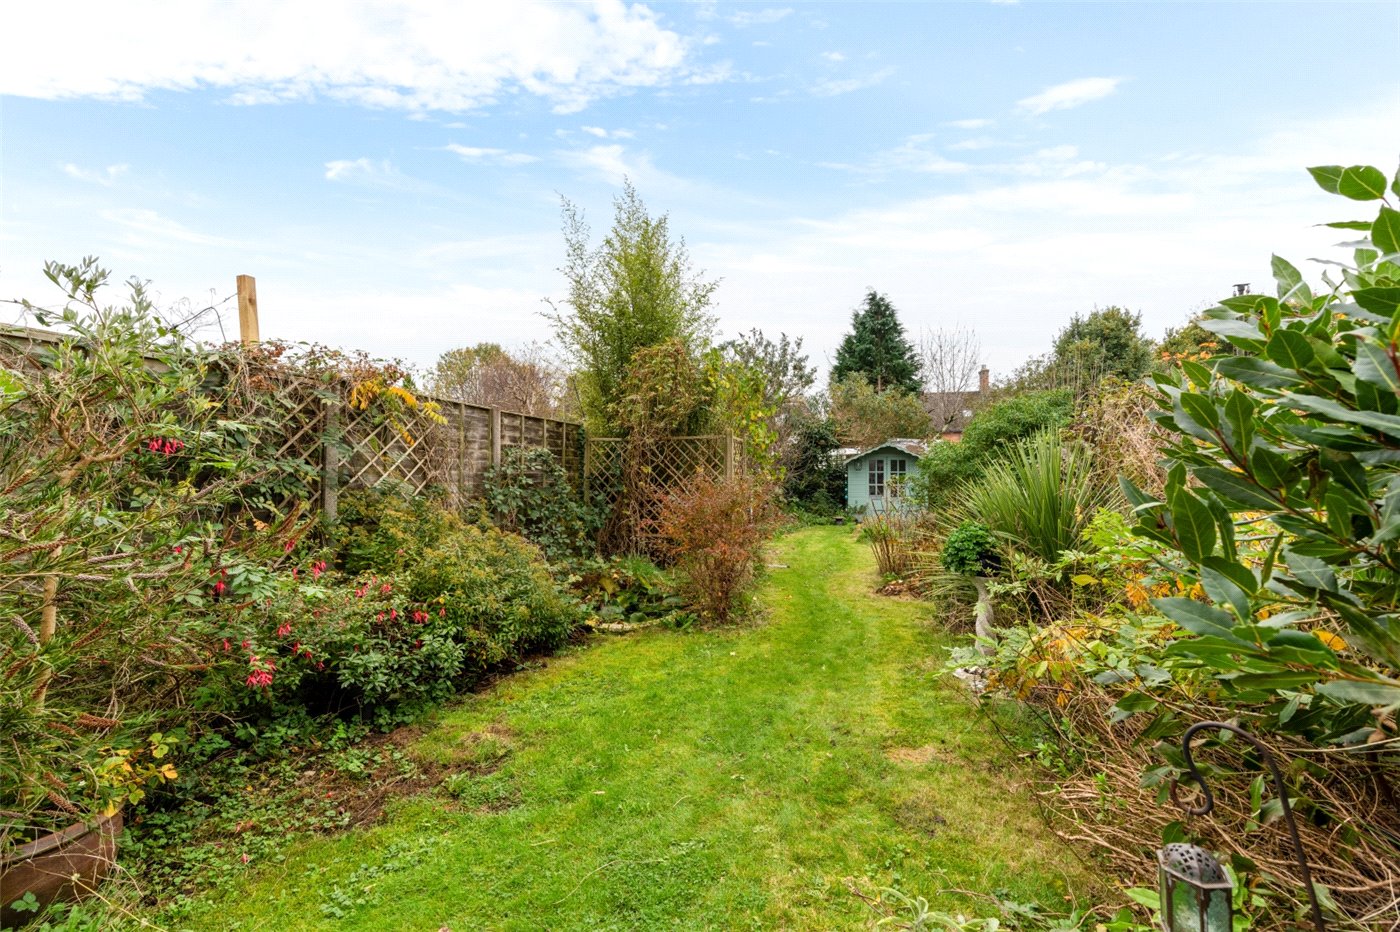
(60, 866)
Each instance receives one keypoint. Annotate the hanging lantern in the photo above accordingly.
(1196, 895)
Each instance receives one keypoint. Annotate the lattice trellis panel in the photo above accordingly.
(665, 465)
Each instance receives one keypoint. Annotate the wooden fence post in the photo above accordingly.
(495, 436)
(247, 309)
(330, 465)
(728, 456)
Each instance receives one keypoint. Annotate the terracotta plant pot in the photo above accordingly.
(61, 866)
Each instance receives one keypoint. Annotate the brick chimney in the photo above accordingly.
(984, 381)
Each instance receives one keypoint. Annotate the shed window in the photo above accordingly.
(897, 474)
(877, 478)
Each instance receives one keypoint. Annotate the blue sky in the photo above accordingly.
(391, 172)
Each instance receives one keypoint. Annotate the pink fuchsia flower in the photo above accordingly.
(385, 589)
(393, 614)
(442, 612)
(317, 569)
(290, 543)
(284, 629)
(219, 587)
(260, 676)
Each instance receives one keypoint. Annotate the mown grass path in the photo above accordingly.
(694, 780)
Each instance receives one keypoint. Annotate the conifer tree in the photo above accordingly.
(876, 349)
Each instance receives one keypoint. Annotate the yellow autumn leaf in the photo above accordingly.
(1333, 641)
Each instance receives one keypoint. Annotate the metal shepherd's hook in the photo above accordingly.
(1209, 803)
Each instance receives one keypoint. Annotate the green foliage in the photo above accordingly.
(865, 416)
(1108, 341)
(630, 590)
(785, 370)
(462, 598)
(1283, 489)
(121, 501)
(1038, 497)
(529, 494)
(813, 478)
(876, 350)
(970, 550)
(1000, 425)
(635, 289)
(992, 431)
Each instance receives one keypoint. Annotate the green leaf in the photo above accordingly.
(1375, 365)
(1310, 571)
(1238, 574)
(1290, 281)
(1199, 618)
(1364, 693)
(1239, 420)
(1235, 488)
(1284, 679)
(1289, 349)
(1188, 423)
(1257, 373)
(1195, 528)
(1385, 232)
(1361, 183)
(1328, 177)
(1384, 301)
(1361, 225)
(1388, 424)
(1234, 329)
(1201, 409)
(1222, 590)
(1395, 183)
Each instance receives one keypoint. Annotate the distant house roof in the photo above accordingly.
(951, 411)
(915, 448)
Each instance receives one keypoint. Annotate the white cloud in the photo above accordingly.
(846, 86)
(486, 156)
(834, 56)
(978, 123)
(414, 55)
(915, 154)
(105, 177)
(1067, 95)
(141, 225)
(760, 17)
(360, 171)
(606, 134)
(971, 145)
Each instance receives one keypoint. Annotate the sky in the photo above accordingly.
(392, 172)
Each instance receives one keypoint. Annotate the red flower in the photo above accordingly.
(284, 629)
(287, 547)
(393, 614)
(385, 589)
(219, 587)
(317, 569)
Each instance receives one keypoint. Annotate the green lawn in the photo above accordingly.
(728, 779)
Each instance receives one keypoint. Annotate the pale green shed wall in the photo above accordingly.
(858, 474)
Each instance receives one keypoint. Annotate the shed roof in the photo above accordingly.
(915, 448)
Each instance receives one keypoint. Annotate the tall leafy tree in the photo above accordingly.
(1106, 342)
(635, 289)
(876, 349)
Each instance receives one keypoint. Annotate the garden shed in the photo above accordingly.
(875, 477)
